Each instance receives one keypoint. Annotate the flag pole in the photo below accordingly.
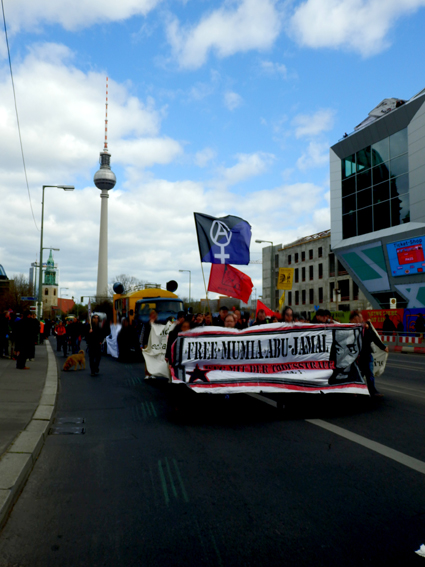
(206, 291)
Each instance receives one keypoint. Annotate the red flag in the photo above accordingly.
(267, 310)
(227, 280)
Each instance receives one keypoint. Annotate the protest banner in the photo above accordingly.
(270, 358)
(154, 353)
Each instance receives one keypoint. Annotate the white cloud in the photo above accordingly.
(359, 25)
(309, 125)
(315, 155)
(272, 68)
(203, 157)
(235, 27)
(248, 165)
(232, 100)
(28, 14)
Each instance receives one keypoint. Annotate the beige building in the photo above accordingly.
(320, 281)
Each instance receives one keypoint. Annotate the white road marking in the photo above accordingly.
(407, 368)
(401, 458)
(264, 399)
(402, 390)
(406, 460)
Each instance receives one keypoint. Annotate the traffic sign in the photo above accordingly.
(28, 299)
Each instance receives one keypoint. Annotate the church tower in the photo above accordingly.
(50, 285)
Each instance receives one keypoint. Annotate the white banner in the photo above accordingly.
(111, 341)
(154, 353)
(270, 358)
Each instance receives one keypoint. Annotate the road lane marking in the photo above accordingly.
(163, 483)
(407, 368)
(401, 458)
(179, 476)
(402, 390)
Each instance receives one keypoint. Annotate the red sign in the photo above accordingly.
(377, 317)
(410, 254)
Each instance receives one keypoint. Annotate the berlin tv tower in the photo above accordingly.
(104, 179)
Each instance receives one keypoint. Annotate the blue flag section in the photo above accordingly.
(223, 240)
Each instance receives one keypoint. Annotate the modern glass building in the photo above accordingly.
(377, 187)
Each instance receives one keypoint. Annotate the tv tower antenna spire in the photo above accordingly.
(106, 118)
(105, 180)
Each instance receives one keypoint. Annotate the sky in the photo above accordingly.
(219, 107)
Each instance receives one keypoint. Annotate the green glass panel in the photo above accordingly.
(359, 266)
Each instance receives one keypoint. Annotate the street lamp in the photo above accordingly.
(190, 275)
(40, 276)
(271, 272)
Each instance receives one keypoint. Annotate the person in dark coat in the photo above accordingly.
(146, 328)
(388, 326)
(261, 318)
(94, 339)
(128, 343)
(172, 335)
(24, 339)
(4, 334)
(419, 325)
(35, 325)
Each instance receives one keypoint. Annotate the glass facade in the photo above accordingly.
(375, 187)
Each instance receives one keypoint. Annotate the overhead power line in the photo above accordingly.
(17, 116)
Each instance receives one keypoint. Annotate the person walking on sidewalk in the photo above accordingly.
(94, 340)
(24, 336)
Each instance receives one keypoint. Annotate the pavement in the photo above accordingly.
(27, 407)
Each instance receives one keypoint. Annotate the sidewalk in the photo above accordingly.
(27, 405)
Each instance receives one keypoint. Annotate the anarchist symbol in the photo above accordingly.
(218, 231)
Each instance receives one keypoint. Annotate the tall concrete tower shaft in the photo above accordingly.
(105, 180)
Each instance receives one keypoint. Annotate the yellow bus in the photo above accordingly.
(138, 304)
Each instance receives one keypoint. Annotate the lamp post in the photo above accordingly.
(40, 275)
(190, 275)
(271, 272)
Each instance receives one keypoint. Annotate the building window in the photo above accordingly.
(302, 256)
(320, 254)
(289, 260)
(355, 291)
(311, 296)
(296, 257)
(320, 294)
(296, 275)
(54, 292)
(303, 274)
(289, 297)
(297, 298)
(375, 187)
(46, 291)
(310, 274)
(310, 254)
(276, 260)
(320, 271)
(303, 296)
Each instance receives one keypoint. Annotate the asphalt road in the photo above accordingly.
(165, 477)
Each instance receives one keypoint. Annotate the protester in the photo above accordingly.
(288, 315)
(208, 319)
(222, 313)
(60, 332)
(35, 327)
(94, 341)
(388, 326)
(4, 334)
(198, 320)
(230, 321)
(24, 339)
(322, 316)
(146, 328)
(128, 342)
(419, 325)
(240, 322)
(261, 318)
(74, 335)
(172, 335)
(366, 358)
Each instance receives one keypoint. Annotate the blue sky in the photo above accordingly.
(221, 107)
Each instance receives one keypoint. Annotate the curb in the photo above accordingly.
(18, 461)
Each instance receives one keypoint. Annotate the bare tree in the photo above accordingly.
(12, 299)
(130, 283)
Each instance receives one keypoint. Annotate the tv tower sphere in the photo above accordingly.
(105, 178)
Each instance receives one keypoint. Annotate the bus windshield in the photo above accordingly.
(164, 307)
